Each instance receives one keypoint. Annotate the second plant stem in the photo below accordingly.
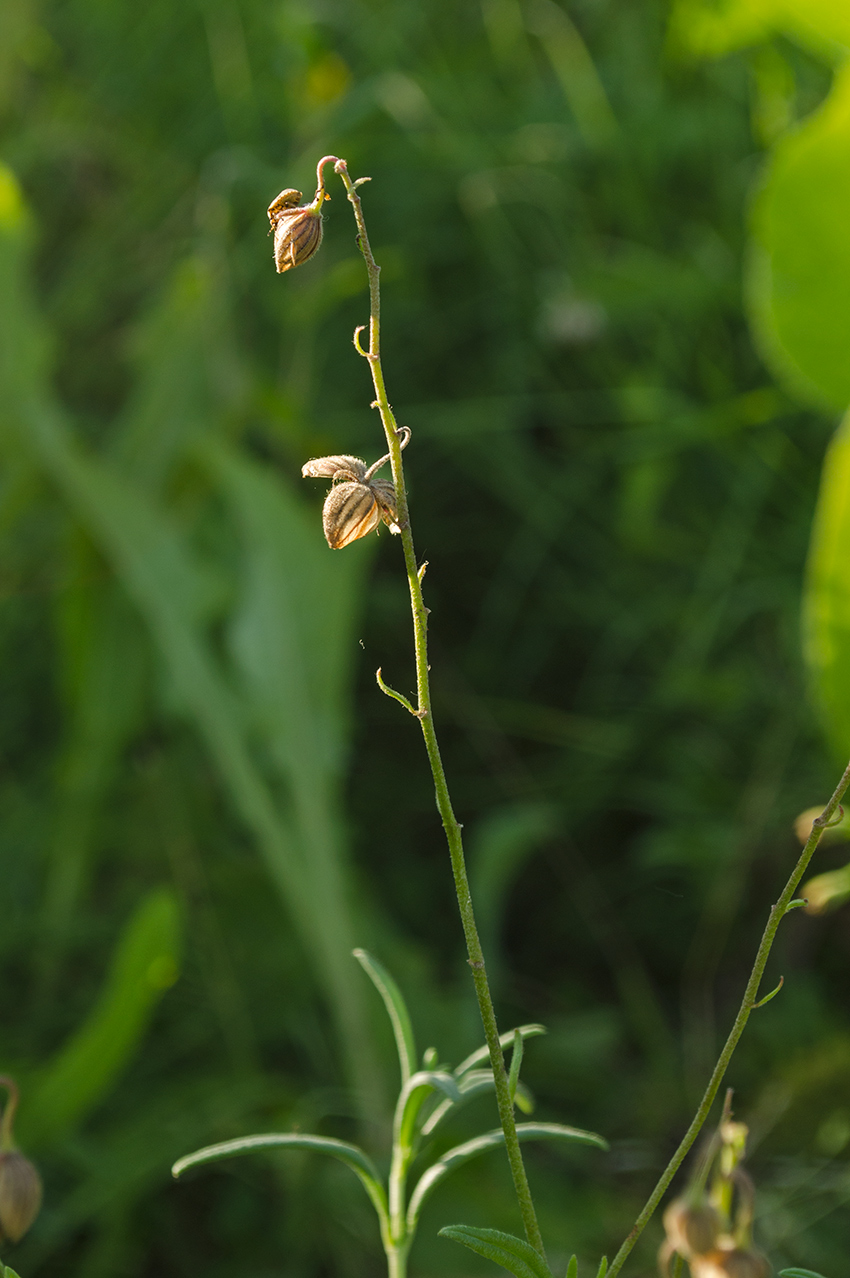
(424, 714)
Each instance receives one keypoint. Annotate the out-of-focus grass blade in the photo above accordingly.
(144, 966)
(454, 1158)
(396, 1010)
(513, 1254)
(799, 1273)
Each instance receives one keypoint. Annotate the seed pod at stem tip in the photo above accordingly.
(297, 228)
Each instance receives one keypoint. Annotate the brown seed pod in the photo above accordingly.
(20, 1195)
(730, 1262)
(297, 228)
(691, 1230)
(358, 501)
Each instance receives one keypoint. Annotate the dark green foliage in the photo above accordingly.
(615, 501)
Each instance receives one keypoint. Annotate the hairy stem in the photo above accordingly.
(424, 714)
(748, 1004)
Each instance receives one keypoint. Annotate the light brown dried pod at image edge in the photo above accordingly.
(297, 228)
(730, 1262)
(20, 1195)
(691, 1230)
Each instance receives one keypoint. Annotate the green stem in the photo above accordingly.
(397, 1261)
(424, 713)
(748, 1004)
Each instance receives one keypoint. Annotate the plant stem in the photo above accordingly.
(424, 714)
(748, 1004)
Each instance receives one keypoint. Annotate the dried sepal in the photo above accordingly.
(338, 467)
(351, 510)
(20, 1195)
(297, 228)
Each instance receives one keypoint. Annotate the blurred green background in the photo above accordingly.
(204, 800)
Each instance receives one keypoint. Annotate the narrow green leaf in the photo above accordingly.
(483, 1054)
(144, 965)
(572, 1268)
(513, 1254)
(352, 1155)
(516, 1063)
(9, 1273)
(799, 1273)
(434, 1174)
(396, 1010)
(603, 1267)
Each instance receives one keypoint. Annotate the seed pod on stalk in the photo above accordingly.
(297, 228)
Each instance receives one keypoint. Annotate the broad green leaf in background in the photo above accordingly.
(799, 284)
(144, 966)
(513, 1254)
(710, 28)
(827, 600)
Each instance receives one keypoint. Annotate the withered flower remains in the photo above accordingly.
(358, 501)
(20, 1183)
(297, 228)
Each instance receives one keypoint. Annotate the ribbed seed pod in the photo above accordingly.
(297, 228)
(20, 1195)
(350, 511)
(692, 1231)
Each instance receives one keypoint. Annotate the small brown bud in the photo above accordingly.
(297, 228)
(20, 1195)
(691, 1230)
(730, 1262)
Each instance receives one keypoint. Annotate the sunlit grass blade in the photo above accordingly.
(432, 1177)
(396, 1010)
(481, 1053)
(513, 1254)
(351, 1155)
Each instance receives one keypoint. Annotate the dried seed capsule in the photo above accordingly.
(350, 511)
(297, 228)
(20, 1195)
(691, 1230)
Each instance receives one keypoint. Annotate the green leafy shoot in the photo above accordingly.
(506, 1040)
(513, 1254)
(572, 1268)
(460, 1154)
(396, 1010)
(473, 1083)
(415, 1091)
